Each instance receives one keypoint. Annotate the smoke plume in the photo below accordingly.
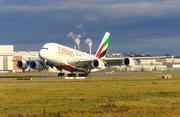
(88, 41)
(76, 37)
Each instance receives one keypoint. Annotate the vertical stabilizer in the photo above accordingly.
(101, 52)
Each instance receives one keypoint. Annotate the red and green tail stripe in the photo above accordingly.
(102, 50)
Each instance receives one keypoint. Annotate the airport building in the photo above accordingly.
(6, 56)
(143, 65)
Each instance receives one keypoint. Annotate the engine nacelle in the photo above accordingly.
(97, 64)
(36, 65)
(129, 62)
(22, 64)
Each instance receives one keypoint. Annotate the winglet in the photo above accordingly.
(101, 52)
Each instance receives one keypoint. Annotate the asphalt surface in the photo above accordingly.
(140, 74)
(100, 75)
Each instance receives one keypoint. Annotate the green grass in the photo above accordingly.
(26, 74)
(94, 96)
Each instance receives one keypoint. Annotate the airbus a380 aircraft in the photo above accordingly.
(62, 57)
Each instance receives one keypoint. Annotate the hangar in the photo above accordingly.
(6, 56)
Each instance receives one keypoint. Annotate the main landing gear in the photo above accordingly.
(84, 75)
(74, 75)
(60, 74)
(69, 75)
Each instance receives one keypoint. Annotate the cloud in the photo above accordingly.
(138, 9)
(157, 41)
(84, 33)
(113, 9)
(33, 22)
(90, 17)
(80, 26)
(27, 47)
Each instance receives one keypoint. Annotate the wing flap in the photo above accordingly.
(152, 57)
(80, 63)
(113, 61)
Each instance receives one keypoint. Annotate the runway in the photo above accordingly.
(137, 74)
(98, 75)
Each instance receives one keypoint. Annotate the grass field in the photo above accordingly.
(94, 96)
(4, 75)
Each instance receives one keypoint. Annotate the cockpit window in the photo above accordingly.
(45, 48)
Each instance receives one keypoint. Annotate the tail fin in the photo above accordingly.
(101, 52)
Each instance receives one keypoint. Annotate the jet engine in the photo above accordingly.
(97, 64)
(36, 65)
(22, 64)
(129, 62)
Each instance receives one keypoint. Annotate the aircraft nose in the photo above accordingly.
(41, 54)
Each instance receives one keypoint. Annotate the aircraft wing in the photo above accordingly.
(113, 61)
(24, 63)
(29, 61)
(150, 57)
(120, 60)
(84, 63)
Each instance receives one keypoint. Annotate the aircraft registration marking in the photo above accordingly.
(65, 51)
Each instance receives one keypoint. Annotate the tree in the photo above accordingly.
(167, 54)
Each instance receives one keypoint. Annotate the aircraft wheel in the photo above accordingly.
(80, 75)
(59, 74)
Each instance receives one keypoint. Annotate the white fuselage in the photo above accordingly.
(58, 55)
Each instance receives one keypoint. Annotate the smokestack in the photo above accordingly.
(89, 42)
(75, 47)
(90, 49)
(173, 58)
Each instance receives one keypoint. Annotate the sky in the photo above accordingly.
(136, 26)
